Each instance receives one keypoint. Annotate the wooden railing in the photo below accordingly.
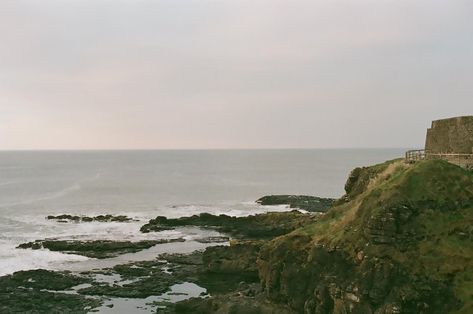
(415, 155)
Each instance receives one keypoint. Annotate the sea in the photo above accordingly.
(146, 184)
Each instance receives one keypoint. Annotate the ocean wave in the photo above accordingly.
(13, 259)
(238, 209)
(29, 227)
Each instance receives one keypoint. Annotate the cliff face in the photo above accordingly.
(400, 241)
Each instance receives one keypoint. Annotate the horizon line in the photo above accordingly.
(189, 149)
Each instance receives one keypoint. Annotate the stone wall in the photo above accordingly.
(454, 135)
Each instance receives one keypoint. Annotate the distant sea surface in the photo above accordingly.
(145, 184)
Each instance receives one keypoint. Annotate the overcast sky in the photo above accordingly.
(105, 74)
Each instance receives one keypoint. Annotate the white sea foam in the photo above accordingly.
(26, 228)
(240, 209)
(13, 259)
(29, 228)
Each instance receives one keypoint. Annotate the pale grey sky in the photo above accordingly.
(105, 74)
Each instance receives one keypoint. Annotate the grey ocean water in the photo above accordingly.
(145, 184)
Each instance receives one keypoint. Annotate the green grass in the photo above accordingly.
(464, 291)
(441, 197)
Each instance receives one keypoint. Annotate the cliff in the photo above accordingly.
(399, 241)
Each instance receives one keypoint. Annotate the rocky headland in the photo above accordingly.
(399, 241)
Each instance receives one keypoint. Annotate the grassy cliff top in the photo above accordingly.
(432, 186)
(417, 215)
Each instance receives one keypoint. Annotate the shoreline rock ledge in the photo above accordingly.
(305, 202)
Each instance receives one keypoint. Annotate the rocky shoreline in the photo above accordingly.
(399, 241)
(218, 269)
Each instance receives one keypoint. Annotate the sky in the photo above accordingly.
(185, 74)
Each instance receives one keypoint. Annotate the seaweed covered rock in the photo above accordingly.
(40, 278)
(99, 218)
(96, 248)
(41, 291)
(143, 279)
(262, 226)
(309, 203)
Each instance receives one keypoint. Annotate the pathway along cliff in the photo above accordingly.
(399, 241)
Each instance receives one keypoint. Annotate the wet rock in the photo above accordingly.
(219, 239)
(308, 203)
(97, 248)
(261, 226)
(40, 278)
(148, 278)
(40, 291)
(155, 283)
(99, 218)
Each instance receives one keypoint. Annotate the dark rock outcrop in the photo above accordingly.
(41, 291)
(308, 203)
(263, 226)
(95, 249)
(99, 218)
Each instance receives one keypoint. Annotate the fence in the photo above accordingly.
(415, 155)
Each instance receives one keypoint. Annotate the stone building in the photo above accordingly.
(451, 139)
(453, 135)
